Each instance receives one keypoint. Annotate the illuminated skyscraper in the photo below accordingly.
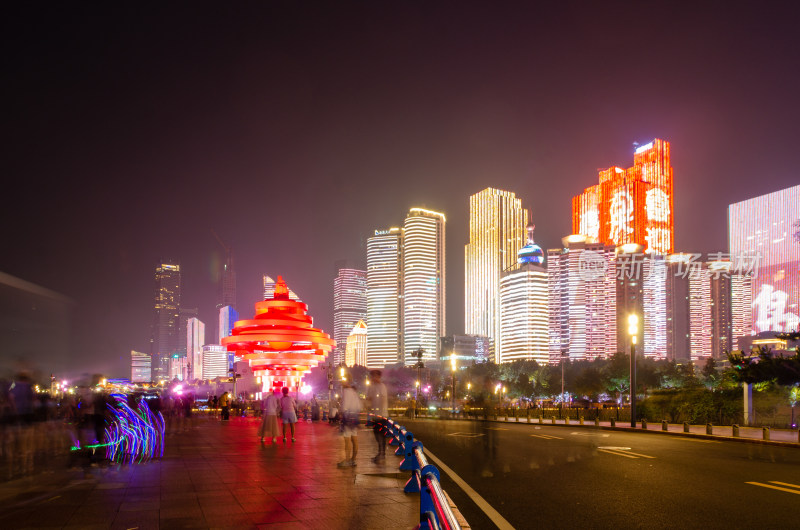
(764, 242)
(227, 287)
(632, 205)
(356, 345)
(227, 318)
(140, 367)
(582, 300)
(642, 290)
(349, 306)
(384, 298)
(524, 311)
(215, 361)
(178, 367)
(165, 339)
(269, 289)
(195, 340)
(423, 283)
(497, 224)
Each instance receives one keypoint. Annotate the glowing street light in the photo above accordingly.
(633, 331)
(453, 369)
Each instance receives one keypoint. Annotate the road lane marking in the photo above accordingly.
(466, 434)
(589, 434)
(490, 512)
(614, 448)
(495, 428)
(618, 453)
(796, 492)
(785, 484)
(622, 451)
(546, 436)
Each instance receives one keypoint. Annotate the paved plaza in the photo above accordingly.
(219, 475)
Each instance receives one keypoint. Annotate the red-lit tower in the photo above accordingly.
(279, 342)
(632, 205)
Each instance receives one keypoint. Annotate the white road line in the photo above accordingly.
(490, 512)
(546, 436)
(589, 434)
(618, 453)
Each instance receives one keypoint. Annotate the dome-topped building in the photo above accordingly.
(531, 252)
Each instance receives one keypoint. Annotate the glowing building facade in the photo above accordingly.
(630, 206)
(423, 283)
(497, 223)
(764, 240)
(195, 340)
(349, 306)
(215, 361)
(524, 311)
(165, 338)
(140, 367)
(582, 300)
(356, 348)
(227, 318)
(384, 298)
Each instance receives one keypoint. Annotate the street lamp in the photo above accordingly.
(453, 368)
(633, 331)
(561, 402)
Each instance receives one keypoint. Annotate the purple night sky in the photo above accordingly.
(294, 129)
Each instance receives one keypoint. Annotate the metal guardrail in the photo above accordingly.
(434, 508)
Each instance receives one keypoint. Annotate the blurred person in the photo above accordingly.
(315, 409)
(379, 405)
(351, 406)
(225, 405)
(288, 412)
(269, 422)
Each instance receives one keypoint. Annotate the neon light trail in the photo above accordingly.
(133, 436)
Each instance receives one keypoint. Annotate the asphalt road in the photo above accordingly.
(582, 477)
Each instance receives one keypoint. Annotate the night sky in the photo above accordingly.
(294, 129)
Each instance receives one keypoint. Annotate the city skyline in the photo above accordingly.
(121, 137)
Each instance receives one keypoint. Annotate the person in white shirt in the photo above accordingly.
(288, 412)
(379, 405)
(269, 423)
(351, 406)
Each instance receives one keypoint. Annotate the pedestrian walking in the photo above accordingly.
(288, 412)
(351, 406)
(379, 405)
(225, 405)
(269, 423)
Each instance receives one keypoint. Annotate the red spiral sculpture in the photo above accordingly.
(279, 342)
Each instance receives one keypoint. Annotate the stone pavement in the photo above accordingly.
(218, 475)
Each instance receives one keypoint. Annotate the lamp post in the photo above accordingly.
(633, 331)
(453, 368)
(561, 402)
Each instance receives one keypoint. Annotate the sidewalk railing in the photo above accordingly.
(434, 506)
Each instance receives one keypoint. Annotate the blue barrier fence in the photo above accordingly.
(434, 509)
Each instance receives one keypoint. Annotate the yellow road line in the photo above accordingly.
(618, 453)
(546, 436)
(643, 456)
(784, 484)
(796, 492)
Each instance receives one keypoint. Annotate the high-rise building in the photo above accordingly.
(423, 283)
(269, 289)
(630, 206)
(356, 345)
(349, 306)
(140, 367)
(195, 340)
(215, 361)
(642, 290)
(179, 367)
(384, 298)
(764, 243)
(165, 339)
(227, 318)
(524, 311)
(497, 224)
(582, 300)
